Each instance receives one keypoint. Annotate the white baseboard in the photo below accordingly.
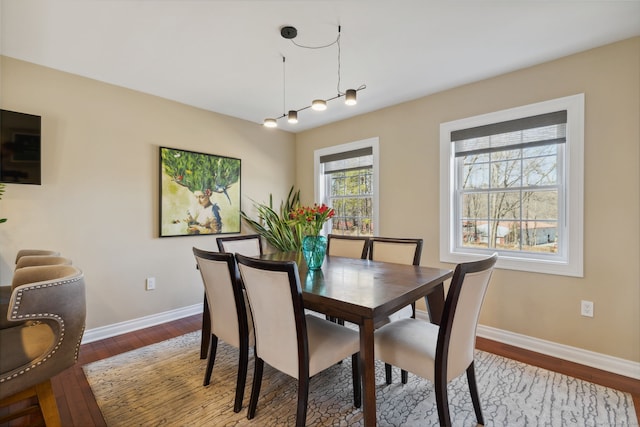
(108, 331)
(601, 361)
(605, 362)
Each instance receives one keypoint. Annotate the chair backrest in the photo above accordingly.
(25, 252)
(399, 251)
(32, 260)
(223, 290)
(247, 244)
(457, 335)
(38, 273)
(52, 295)
(347, 246)
(275, 298)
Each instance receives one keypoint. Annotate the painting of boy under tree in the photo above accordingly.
(199, 193)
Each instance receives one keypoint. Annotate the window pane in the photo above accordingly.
(504, 205)
(475, 173)
(539, 236)
(475, 206)
(505, 174)
(540, 205)
(540, 171)
(474, 234)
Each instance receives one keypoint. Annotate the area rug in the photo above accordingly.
(161, 384)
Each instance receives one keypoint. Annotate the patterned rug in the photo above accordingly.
(161, 384)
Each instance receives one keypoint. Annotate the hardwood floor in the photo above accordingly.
(78, 406)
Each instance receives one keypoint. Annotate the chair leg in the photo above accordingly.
(357, 386)
(404, 376)
(303, 400)
(255, 390)
(442, 402)
(475, 397)
(387, 373)
(212, 358)
(48, 405)
(206, 330)
(242, 374)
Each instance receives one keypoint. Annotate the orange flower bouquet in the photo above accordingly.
(311, 219)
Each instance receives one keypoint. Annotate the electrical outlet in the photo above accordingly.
(151, 283)
(586, 308)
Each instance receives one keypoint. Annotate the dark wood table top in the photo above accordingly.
(354, 289)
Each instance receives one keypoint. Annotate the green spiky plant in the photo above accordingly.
(2, 187)
(275, 227)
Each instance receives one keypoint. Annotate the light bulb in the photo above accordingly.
(319, 104)
(270, 123)
(350, 97)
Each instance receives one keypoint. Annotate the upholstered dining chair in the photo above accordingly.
(230, 319)
(348, 246)
(246, 244)
(51, 299)
(294, 343)
(442, 353)
(400, 251)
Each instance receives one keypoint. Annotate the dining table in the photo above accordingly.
(365, 293)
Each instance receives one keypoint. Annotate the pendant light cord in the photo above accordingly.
(284, 87)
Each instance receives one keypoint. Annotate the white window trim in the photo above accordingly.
(350, 146)
(574, 175)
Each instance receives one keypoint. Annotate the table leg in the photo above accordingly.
(206, 330)
(367, 369)
(435, 303)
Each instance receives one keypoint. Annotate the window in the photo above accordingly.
(512, 182)
(347, 180)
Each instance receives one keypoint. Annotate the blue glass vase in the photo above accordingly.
(314, 249)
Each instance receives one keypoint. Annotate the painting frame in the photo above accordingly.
(200, 193)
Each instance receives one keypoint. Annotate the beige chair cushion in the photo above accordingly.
(409, 344)
(248, 247)
(25, 252)
(328, 340)
(28, 343)
(276, 338)
(33, 260)
(276, 341)
(219, 292)
(346, 248)
(398, 253)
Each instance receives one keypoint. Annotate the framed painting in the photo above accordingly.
(199, 193)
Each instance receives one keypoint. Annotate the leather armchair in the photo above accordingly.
(48, 307)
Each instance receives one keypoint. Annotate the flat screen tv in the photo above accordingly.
(20, 148)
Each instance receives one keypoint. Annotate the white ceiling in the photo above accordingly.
(226, 56)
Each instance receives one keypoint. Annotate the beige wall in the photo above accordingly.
(536, 305)
(98, 203)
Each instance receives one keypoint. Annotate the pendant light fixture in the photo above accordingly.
(350, 95)
(319, 105)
